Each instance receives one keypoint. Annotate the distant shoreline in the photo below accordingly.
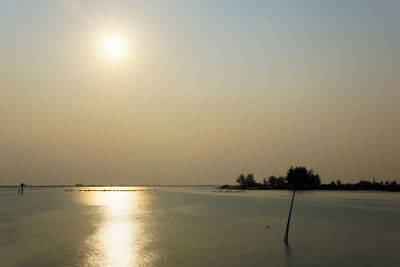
(77, 186)
(362, 186)
(322, 187)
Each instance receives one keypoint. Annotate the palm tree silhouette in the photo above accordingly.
(299, 178)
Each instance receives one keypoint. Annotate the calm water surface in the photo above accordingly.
(197, 227)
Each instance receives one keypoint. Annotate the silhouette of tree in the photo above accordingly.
(272, 180)
(250, 181)
(241, 180)
(299, 178)
(246, 181)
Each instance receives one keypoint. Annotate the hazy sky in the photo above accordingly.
(204, 90)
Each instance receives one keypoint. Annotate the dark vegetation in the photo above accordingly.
(301, 178)
(309, 181)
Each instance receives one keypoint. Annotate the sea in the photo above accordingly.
(196, 226)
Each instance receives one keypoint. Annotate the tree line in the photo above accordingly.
(307, 179)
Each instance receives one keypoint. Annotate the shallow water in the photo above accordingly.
(194, 226)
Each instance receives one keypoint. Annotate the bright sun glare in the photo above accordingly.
(113, 46)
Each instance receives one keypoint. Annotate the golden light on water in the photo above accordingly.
(117, 239)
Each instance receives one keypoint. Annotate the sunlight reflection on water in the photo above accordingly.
(117, 239)
(171, 227)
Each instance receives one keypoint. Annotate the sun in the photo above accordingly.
(113, 46)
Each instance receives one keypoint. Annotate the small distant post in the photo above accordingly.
(21, 189)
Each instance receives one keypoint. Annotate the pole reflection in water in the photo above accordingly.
(117, 240)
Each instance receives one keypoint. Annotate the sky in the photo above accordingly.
(202, 91)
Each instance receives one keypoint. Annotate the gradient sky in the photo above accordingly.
(206, 90)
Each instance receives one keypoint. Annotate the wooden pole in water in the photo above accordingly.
(288, 221)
